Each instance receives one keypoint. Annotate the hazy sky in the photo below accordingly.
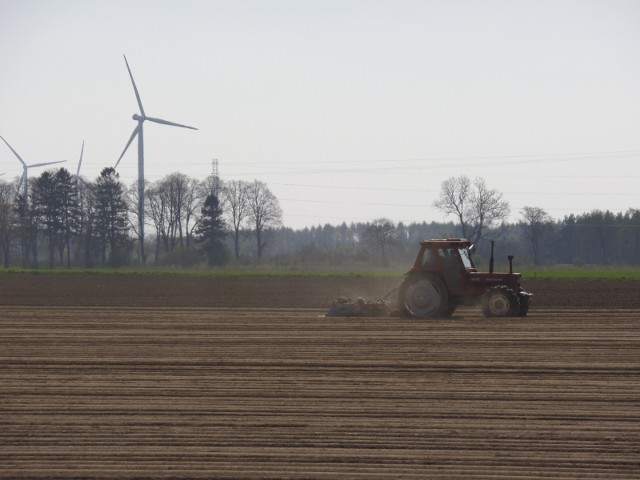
(349, 110)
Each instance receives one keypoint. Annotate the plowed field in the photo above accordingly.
(95, 389)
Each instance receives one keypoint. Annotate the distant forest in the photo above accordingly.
(58, 220)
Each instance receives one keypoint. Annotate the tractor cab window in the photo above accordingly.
(451, 259)
(430, 258)
(466, 259)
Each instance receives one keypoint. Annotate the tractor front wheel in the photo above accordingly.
(500, 301)
(425, 297)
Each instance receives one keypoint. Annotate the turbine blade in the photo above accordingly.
(14, 152)
(44, 164)
(133, 135)
(135, 89)
(80, 162)
(166, 122)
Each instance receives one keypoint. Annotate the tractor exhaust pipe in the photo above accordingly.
(491, 259)
(510, 257)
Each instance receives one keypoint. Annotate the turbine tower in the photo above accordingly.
(80, 162)
(25, 168)
(140, 118)
(79, 181)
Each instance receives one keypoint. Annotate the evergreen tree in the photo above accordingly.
(24, 227)
(70, 221)
(210, 233)
(8, 221)
(46, 207)
(111, 229)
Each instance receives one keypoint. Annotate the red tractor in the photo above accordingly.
(444, 277)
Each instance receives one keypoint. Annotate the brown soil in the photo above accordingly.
(135, 377)
(298, 292)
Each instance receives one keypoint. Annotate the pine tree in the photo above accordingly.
(210, 233)
(46, 207)
(67, 193)
(110, 220)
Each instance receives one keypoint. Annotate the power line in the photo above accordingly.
(425, 206)
(548, 156)
(399, 165)
(331, 202)
(525, 159)
(426, 190)
(354, 187)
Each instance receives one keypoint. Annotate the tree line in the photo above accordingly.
(67, 221)
(593, 238)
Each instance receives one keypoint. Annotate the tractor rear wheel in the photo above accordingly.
(500, 301)
(425, 297)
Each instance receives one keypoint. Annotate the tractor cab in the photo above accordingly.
(449, 258)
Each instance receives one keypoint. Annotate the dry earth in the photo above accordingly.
(142, 377)
(291, 292)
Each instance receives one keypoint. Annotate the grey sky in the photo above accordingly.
(349, 110)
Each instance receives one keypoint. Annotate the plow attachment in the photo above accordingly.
(360, 307)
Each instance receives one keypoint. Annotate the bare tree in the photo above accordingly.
(86, 246)
(236, 198)
(134, 214)
(381, 234)
(536, 222)
(177, 188)
(474, 204)
(155, 210)
(193, 201)
(167, 207)
(264, 211)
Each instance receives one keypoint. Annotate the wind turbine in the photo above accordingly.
(25, 169)
(139, 132)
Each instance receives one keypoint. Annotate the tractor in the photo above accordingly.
(444, 277)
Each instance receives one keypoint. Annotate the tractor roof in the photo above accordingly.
(447, 243)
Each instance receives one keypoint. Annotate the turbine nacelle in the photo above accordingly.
(142, 118)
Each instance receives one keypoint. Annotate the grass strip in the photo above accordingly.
(550, 273)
